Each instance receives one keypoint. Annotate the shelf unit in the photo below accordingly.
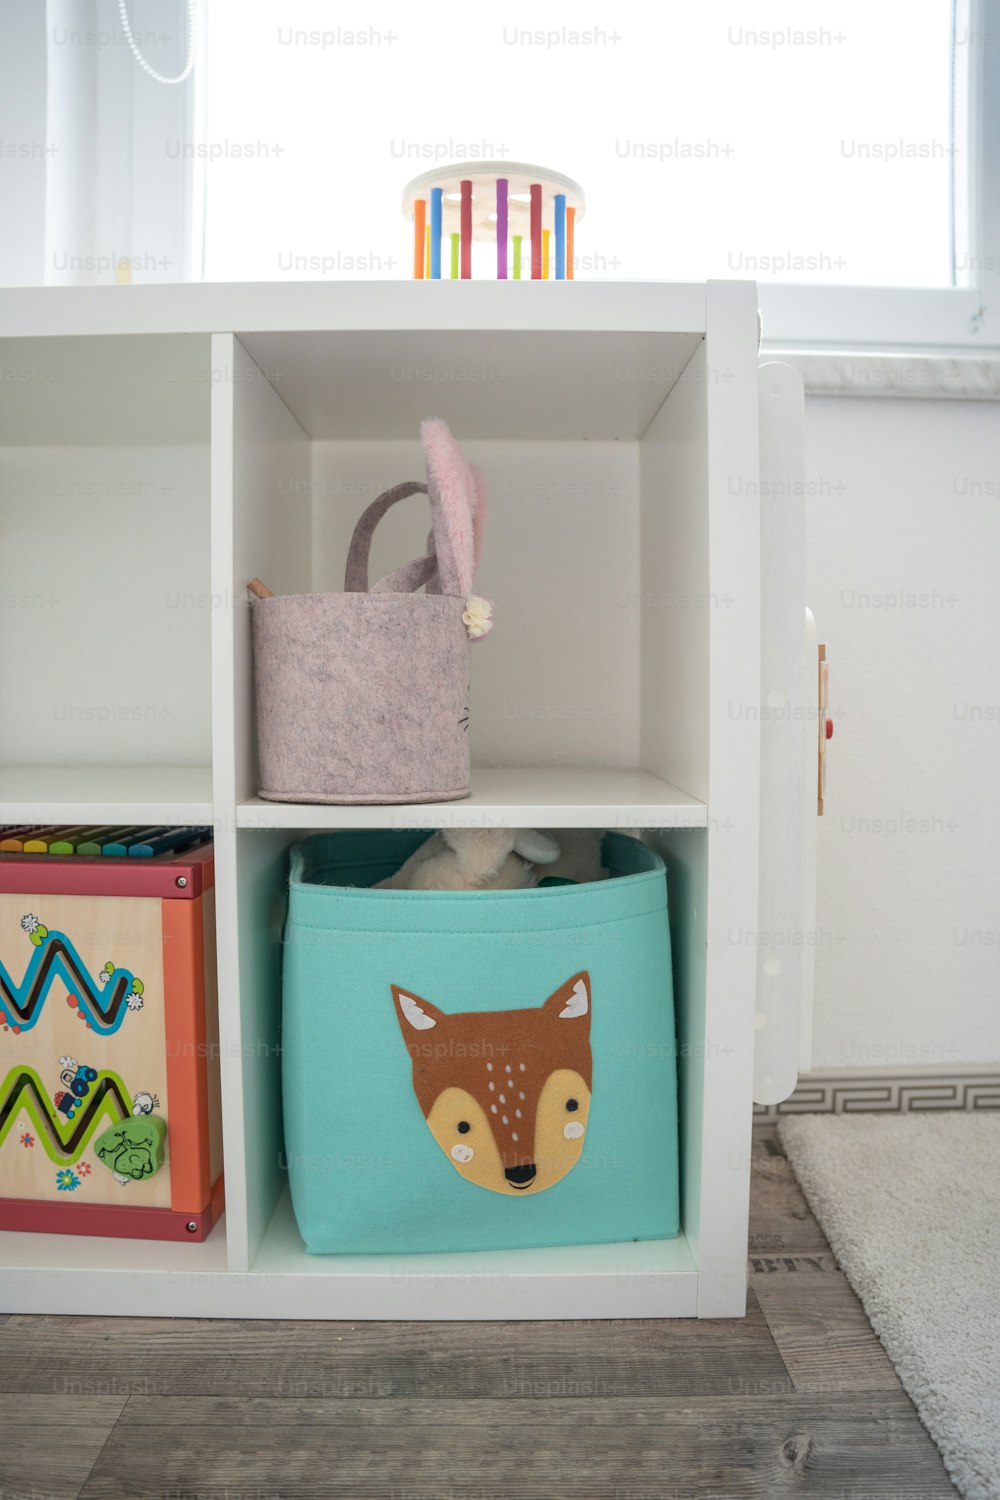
(180, 440)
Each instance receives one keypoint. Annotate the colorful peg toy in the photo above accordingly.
(528, 213)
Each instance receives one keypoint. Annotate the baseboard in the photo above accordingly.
(863, 1091)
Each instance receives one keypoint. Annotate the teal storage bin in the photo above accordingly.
(477, 1070)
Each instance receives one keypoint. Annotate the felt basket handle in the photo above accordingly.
(404, 580)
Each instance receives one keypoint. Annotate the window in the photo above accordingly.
(846, 158)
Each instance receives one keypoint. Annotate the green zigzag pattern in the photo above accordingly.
(63, 1140)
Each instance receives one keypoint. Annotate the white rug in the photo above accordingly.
(911, 1207)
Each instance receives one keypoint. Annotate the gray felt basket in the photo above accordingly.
(364, 696)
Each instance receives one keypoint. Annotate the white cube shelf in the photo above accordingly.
(187, 439)
(105, 650)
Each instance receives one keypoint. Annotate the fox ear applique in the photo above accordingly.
(414, 1014)
(571, 1001)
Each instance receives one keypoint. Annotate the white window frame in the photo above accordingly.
(942, 321)
(921, 320)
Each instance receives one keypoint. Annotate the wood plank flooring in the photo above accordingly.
(798, 1400)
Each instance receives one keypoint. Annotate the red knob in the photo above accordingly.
(829, 729)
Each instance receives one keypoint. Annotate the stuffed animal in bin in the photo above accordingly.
(500, 859)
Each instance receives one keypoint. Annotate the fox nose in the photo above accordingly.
(520, 1177)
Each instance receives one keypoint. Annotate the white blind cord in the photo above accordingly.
(123, 13)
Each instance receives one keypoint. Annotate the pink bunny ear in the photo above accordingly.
(479, 514)
(453, 503)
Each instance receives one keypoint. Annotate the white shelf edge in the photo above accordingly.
(258, 814)
(363, 1298)
(23, 1252)
(550, 797)
(82, 1274)
(266, 307)
(174, 795)
(172, 814)
(633, 1279)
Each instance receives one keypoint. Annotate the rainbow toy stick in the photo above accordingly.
(419, 219)
(536, 231)
(560, 236)
(436, 195)
(501, 229)
(526, 215)
(465, 227)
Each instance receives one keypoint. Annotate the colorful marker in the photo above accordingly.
(69, 841)
(101, 836)
(43, 841)
(120, 846)
(13, 839)
(173, 839)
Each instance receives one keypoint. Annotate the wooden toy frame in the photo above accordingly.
(163, 911)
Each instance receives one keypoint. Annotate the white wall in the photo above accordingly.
(123, 534)
(904, 580)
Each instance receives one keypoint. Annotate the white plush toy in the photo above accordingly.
(498, 859)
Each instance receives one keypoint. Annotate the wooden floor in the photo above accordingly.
(797, 1400)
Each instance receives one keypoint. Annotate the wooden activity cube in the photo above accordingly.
(108, 1012)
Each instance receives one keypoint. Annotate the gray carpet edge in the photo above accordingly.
(976, 1475)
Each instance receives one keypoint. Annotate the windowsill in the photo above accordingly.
(931, 377)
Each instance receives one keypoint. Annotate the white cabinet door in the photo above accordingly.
(788, 747)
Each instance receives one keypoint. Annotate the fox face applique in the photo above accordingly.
(506, 1093)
